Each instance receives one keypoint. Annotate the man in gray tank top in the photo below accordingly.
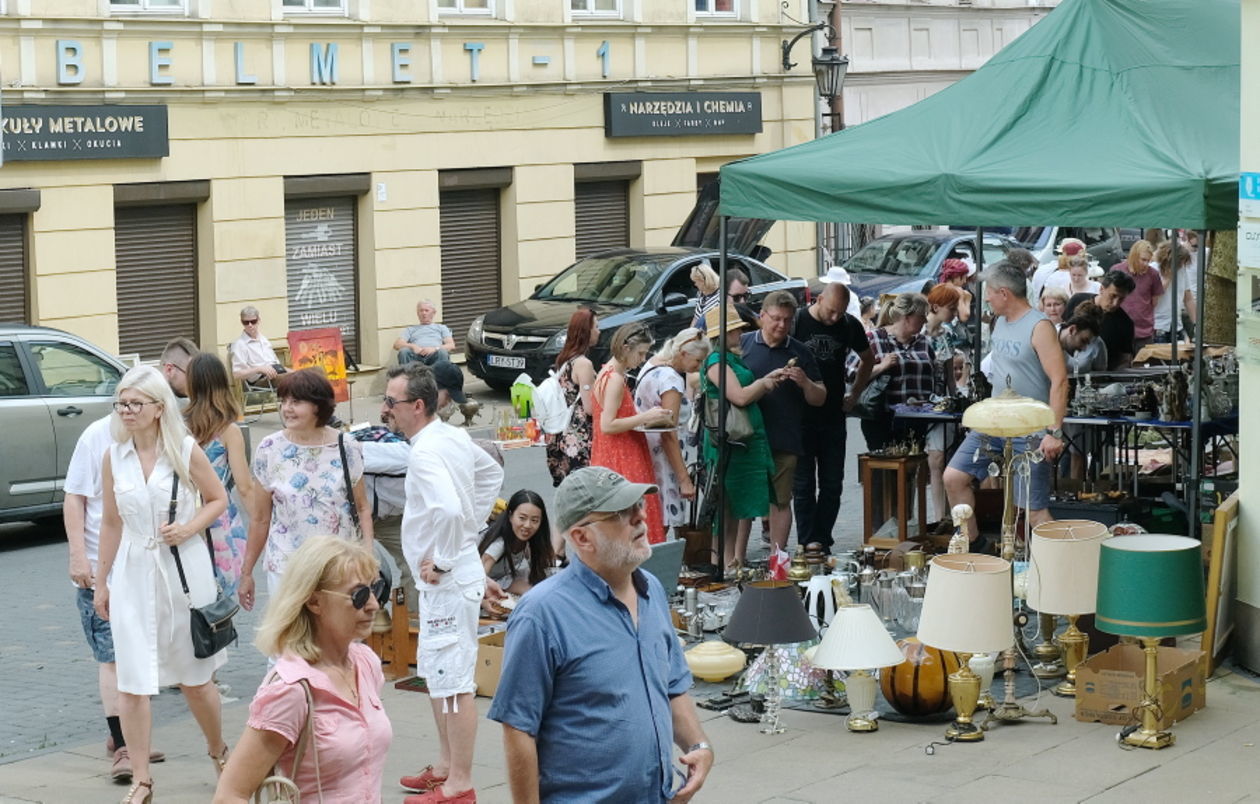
(1026, 353)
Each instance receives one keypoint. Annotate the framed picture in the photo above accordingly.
(321, 349)
(1221, 580)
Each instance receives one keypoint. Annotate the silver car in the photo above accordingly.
(52, 386)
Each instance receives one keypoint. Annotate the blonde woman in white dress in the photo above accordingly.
(143, 598)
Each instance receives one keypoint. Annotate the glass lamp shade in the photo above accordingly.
(967, 606)
(1008, 415)
(769, 613)
(830, 69)
(1151, 586)
(857, 640)
(1063, 571)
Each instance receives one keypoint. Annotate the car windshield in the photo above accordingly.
(622, 280)
(899, 256)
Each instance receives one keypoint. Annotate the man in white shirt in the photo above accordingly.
(451, 487)
(253, 359)
(81, 512)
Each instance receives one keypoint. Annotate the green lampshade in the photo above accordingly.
(1151, 586)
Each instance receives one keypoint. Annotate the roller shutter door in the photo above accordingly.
(471, 250)
(13, 282)
(602, 216)
(321, 257)
(155, 252)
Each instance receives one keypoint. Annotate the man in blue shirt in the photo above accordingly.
(594, 687)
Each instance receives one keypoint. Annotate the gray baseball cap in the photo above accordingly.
(594, 489)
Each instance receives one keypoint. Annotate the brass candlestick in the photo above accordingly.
(1075, 645)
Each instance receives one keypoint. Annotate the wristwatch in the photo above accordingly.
(1057, 432)
(700, 746)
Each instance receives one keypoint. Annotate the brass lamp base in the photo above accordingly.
(861, 723)
(1049, 663)
(964, 691)
(1075, 645)
(1149, 739)
(1149, 735)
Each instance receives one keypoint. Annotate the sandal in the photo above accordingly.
(220, 762)
(133, 794)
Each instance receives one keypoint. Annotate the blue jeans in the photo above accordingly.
(406, 356)
(1038, 497)
(96, 630)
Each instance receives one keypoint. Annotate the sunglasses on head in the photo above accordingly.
(359, 594)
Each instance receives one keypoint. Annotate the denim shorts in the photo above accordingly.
(99, 637)
(964, 460)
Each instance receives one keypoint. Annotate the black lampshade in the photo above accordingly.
(769, 613)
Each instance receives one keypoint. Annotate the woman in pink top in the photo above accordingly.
(1140, 304)
(326, 601)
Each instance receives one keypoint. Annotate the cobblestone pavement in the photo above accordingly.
(47, 674)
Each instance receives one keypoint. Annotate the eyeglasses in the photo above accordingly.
(249, 323)
(132, 407)
(378, 589)
(625, 515)
(390, 401)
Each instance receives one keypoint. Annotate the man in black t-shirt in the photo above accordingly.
(831, 334)
(1117, 327)
(772, 349)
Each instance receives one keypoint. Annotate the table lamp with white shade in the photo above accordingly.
(967, 610)
(1063, 579)
(857, 641)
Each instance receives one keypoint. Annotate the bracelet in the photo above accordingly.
(701, 746)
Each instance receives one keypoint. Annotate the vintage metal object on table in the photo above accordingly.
(799, 571)
(1049, 657)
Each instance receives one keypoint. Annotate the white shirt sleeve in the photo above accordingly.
(385, 457)
(487, 482)
(433, 512)
(83, 475)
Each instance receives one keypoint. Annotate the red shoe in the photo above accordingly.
(436, 796)
(423, 783)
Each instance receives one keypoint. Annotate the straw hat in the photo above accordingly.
(712, 324)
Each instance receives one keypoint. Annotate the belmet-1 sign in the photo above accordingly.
(674, 114)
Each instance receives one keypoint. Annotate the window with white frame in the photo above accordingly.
(605, 8)
(465, 6)
(314, 6)
(716, 8)
(149, 6)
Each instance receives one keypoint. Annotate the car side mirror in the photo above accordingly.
(539, 286)
(673, 300)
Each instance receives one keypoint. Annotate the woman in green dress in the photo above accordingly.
(749, 469)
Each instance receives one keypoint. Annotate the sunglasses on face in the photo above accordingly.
(250, 322)
(390, 401)
(739, 297)
(359, 594)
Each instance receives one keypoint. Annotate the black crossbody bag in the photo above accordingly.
(212, 627)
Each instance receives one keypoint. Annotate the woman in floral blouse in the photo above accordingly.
(301, 489)
(571, 449)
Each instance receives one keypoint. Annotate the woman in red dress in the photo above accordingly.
(617, 445)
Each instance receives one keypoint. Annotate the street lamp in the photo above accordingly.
(829, 66)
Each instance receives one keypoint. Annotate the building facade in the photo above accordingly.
(334, 161)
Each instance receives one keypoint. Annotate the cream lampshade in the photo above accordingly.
(1008, 415)
(1063, 579)
(857, 641)
(967, 609)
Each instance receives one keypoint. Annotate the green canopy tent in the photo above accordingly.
(1106, 112)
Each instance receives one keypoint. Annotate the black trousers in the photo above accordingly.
(819, 481)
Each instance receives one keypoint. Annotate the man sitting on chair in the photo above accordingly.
(253, 359)
(426, 342)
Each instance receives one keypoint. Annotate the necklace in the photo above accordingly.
(347, 678)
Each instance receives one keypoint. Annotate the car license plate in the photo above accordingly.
(503, 361)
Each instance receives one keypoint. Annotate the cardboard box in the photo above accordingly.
(1109, 685)
(489, 663)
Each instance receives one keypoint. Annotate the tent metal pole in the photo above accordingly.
(722, 447)
(1176, 319)
(1196, 415)
(977, 302)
